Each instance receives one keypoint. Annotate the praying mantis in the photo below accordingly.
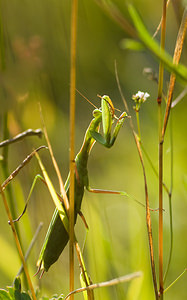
(57, 236)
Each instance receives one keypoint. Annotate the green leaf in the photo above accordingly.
(54, 196)
(14, 293)
(11, 291)
(132, 45)
(180, 70)
(4, 295)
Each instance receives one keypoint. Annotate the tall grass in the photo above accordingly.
(117, 242)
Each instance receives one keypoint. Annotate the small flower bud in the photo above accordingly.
(139, 98)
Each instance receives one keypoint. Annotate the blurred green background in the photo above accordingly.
(35, 67)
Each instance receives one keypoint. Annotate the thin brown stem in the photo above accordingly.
(86, 279)
(21, 136)
(176, 58)
(160, 24)
(148, 217)
(112, 282)
(61, 184)
(161, 282)
(160, 172)
(18, 244)
(21, 166)
(72, 136)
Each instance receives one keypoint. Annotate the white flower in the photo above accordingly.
(140, 96)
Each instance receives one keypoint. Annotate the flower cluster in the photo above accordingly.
(139, 98)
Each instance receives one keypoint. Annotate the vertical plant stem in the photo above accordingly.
(161, 219)
(2, 43)
(148, 217)
(18, 244)
(160, 175)
(72, 137)
(4, 162)
(5, 171)
(170, 203)
(176, 58)
(84, 275)
(159, 100)
(5, 166)
(138, 124)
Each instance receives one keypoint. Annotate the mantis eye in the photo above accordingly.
(96, 112)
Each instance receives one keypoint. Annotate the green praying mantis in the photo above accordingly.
(57, 236)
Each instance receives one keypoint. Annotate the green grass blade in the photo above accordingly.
(54, 196)
(180, 70)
